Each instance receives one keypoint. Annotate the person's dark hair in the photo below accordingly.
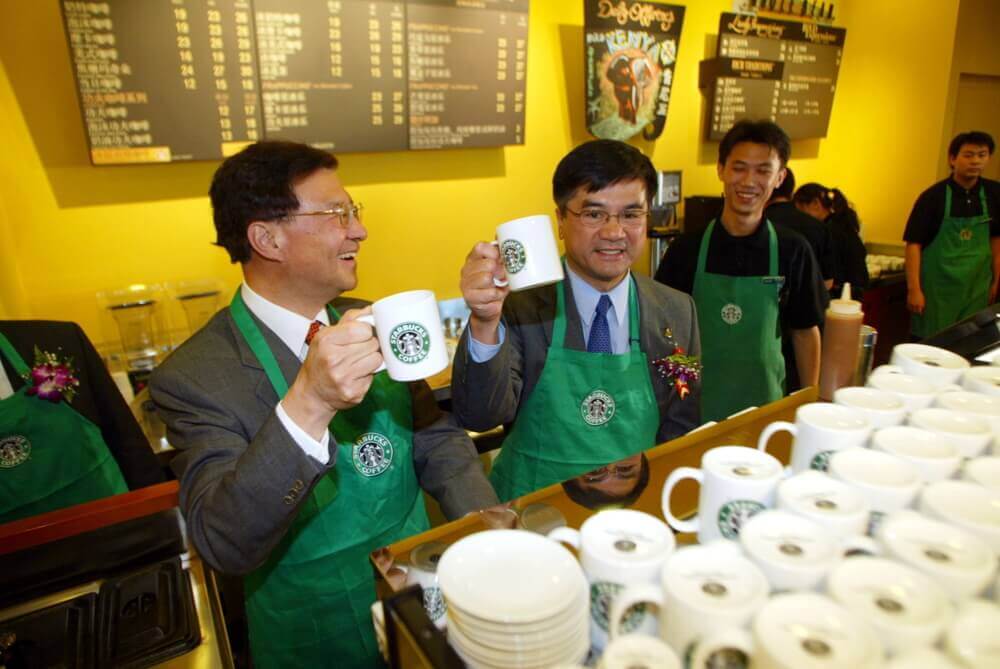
(597, 164)
(756, 132)
(974, 137)
(841, 211)
(256, 185)
(594, 498)
(787, 187)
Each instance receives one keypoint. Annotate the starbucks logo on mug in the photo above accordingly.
(602, 595)
(14, 450)
(372, 454)
(434, 603)
(513, 254)
(410, 342)
(732, 314)
(734, 513)
(821, 461)
(597, 408)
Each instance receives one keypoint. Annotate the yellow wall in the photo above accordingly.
(76, 229)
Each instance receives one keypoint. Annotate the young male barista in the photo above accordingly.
(297, 460)
(567, 367)
(748, 278)
(953, 240)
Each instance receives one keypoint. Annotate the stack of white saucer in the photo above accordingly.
(515, 599)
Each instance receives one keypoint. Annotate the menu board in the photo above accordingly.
(171, 80)
(768, 68)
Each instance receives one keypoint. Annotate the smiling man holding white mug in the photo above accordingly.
(297, 458)
(568, 367)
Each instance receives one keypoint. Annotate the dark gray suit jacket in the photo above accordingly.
(487, 394)
(242, 475)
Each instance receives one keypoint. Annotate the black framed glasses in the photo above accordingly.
(594, 217)
(629, 471)
(342, 213)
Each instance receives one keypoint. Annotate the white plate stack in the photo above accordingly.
(515, 599)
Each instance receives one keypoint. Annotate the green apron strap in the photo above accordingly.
(772, 248)
(255, 339)
(559, 322)
(703, 248)
(16, 361)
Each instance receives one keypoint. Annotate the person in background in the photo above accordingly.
(953, 240)
(296, 458)
(571, 369)
(831, 206)
(784, 213)
(66, 434)
(751, 280)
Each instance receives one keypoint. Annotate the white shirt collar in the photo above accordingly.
(290, 327)
(586, 297)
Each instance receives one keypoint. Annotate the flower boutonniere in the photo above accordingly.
(52, 378)
(678, 367)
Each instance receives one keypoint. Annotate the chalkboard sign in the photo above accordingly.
(768, 68)
(172, 80)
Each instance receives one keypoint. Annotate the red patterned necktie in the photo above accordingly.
(313, 329)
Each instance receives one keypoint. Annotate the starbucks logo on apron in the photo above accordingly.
(513, 255)
(734, 513)
(602, 595)
(14, 450)
(372, 454)
(597, 408)
(732, 314)
(410, 342)
(821, 461)
(965, 234)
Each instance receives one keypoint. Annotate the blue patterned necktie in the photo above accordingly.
(599, 340)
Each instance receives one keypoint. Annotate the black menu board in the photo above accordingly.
(165, 80)
(768, 68)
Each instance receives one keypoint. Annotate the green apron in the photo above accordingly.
(955, 270)
(742, 364)
(309, 605)
(587, 410)
(51, 457)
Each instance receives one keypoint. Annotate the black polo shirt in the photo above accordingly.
(925, 219)
(803, 297)
(787, 215)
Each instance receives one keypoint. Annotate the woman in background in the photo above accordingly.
(831, 206)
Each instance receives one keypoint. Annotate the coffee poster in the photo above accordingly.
(630, 49)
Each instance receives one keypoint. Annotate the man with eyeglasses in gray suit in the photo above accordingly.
(568, 369)
(296, 458)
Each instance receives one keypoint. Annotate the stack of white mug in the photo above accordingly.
(876, 547)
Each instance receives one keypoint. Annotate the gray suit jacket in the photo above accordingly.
(242, 475)
(487, 394)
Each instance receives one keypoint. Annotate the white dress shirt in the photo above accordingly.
(585, 297)
(291, 329)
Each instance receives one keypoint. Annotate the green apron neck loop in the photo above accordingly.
(559, 322)
(15, 359)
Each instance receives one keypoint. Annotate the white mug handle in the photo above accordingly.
(370, 319)
(676, 477)
(499, 283)
(719, 639)
(859, 544)
(773, 429)
(636, 593)
(566, 535)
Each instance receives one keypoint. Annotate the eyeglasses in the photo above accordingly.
(593, 217)
(343, 213)
(629, 471)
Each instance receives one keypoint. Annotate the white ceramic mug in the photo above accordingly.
(881, 408)
(962, 563)
(984, 379)
(736, 482)
(934, 458)
(796, 553)
(410, 336)
(636, 651)
(969, 434)
(820, 429)
(984, 471)
(966, 504)
(835, 505)
(529, 253)
(976, 404)
(939, 366)
(906, 608)
(722, 648)
(422, 570)
(887, 482)
(617, 548)
(701, 589)
(972, 635)
(916, 392)
(803, 629)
